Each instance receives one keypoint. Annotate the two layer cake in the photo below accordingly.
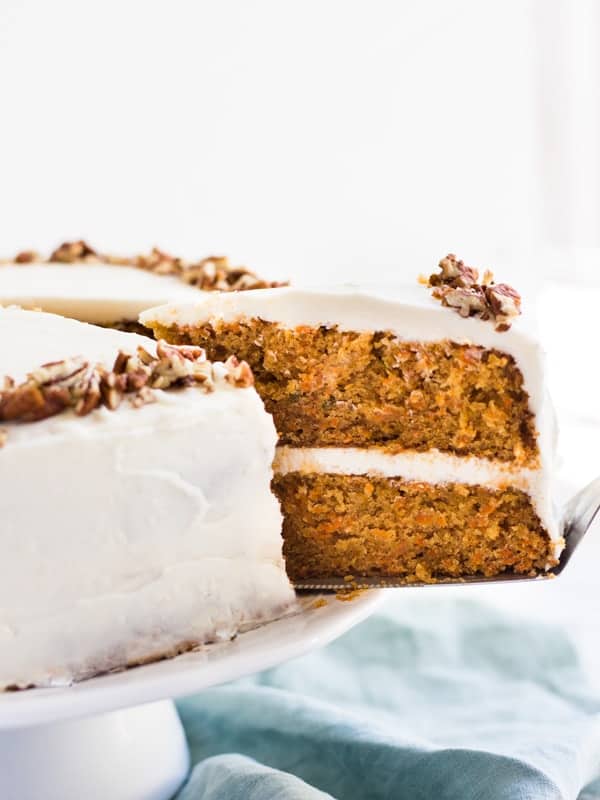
(415, 435)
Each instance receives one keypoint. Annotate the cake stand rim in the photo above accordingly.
(251, 652)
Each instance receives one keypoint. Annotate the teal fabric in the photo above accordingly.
(426, 700)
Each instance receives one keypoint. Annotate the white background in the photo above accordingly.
(327, 137)
(328, 140)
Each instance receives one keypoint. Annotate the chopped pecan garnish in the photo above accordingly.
(26, 257)
(505, 303)
(69, 252)
(458, 287)
(467, 301)
(454, 272)
(74, 384)
(210, 274)
(239, 373)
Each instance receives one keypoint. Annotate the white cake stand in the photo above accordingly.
(119, 737)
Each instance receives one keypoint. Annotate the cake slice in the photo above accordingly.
(137, 515)
(415, 435)
(77, 281)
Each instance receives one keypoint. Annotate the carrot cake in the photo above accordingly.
(415, 435)
(113, 290)
(137, 515)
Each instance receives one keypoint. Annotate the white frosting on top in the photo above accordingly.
(126, 534)
(99, 293)
(411, 314)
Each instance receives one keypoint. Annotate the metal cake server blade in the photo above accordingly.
(576, 519)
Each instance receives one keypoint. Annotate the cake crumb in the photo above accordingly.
(347, 595)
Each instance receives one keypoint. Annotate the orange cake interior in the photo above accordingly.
(415, 442)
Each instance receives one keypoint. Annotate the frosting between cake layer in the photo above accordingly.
(429, 467)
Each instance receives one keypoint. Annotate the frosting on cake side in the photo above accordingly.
(130, 534)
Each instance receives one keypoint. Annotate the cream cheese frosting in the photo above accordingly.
(131, 534)
(411, 314)
(431, 466)
(99, 293)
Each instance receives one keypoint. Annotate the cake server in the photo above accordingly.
(576, 519)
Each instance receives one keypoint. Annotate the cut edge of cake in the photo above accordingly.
(349, 324)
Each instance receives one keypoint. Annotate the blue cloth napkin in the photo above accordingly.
(426, 700)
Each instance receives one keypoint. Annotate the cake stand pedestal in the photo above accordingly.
(133, 754)
(116, 737)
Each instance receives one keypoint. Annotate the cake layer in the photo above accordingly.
(130, 534)
(327, 387)
(360, 366)
(409, 531)
(430, 467)
(417, 439)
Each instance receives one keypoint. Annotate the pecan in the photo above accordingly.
(91, 396)
(68, 252)
(455, 271)
(74, 384)
(144, 356)
(29, 403)
(67, 372)
(466, 301)
(121, 362)
(457, 287)
(189, 351)
(238, 373)
(27, 256)
(136, 379)
(158, 261)
(110, 390)
(505, 303)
